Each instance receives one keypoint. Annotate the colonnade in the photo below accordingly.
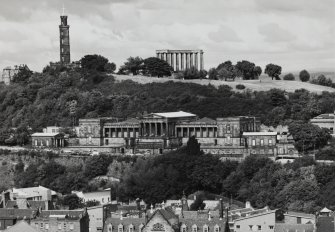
(181, 60)
(201, 132)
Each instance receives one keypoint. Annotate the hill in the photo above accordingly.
(264, 84)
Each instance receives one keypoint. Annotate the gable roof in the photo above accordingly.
(20, 227)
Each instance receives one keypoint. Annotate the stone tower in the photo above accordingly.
(64, 37)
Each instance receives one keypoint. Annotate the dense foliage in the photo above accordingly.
(289, 77)
(273, 71)
(156, 67)
(304, 75)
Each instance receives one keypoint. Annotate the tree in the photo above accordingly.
(23, 75)
(154, 66)
(226, 70)
(194, 73)
(109, 67)
(257, 71)
(289, 77)
(193, 146)
(133, 65)
(73, 201)
(213, 74)
(246, 68)
(304, 75)
(273, 71)
(94, 62)
(198, 204)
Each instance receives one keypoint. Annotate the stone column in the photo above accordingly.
(182, 61)
(172, 61)
(122, 132)
(128, 132)
(196, 60)
(191, 60)
(162, 56)
(156, 129)
(207, 132)
(157, 54)
(201, 60)
(187, 60)
(188, 132)
(177, 62)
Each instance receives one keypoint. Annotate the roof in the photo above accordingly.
(325, 224)
(45, 134)
(179, 114)
(299, 214)
(324, 116)
(130, 121)
(282, 227)
(325, 210)
(69, 214)
(265, 133)
(256, 214)
(32, 191)
(136, 222)
(16, 213)
(21, 226)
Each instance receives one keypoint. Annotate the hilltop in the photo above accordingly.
(264, 84)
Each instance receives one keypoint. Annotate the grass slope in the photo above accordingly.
(264, 84)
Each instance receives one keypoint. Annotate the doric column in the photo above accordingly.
(191, 60)
(162, 56)
(156, 129)
(157, 54)
(201, 60)
(182, 61)
(168, 58)
(196, 60)
(128, 132)
(122, 132)
(177, 62)
(172, 61)
(187, 60)
(134, 132)
(188, 132)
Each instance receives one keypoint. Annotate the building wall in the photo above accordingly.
(96, 221)
(259, 223)
(52, 224)
(158, 219)
(292, 219)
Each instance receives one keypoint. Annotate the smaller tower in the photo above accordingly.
(184, 203)
(64, 37)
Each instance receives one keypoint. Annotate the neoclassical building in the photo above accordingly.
(181, 60)
(230, 137)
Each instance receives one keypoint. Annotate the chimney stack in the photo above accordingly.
(221, 209)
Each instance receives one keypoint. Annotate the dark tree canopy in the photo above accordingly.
(213, 74)
(257, 71)
(109, 67)
(194, 73)
(133, 65)
(23, 75)
(273, 71)
(193, 146)
(156, 67)
(289, 77)
(73, 201)
(246, 68)
(94, 62)
(304, 75)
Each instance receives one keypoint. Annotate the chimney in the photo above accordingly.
(121, 215)
(221, 209)
(151, 209)
(209, 215)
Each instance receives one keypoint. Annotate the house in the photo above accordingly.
(61, 220)
(291, 217)
(21, 226)
(98, 214)
(102, 197)
(52, 140)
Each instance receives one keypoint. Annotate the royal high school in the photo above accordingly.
(155, 133)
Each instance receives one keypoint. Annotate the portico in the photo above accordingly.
(181, 60)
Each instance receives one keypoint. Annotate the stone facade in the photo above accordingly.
(9, 72)
(230, 138)
(52, 140)
(181, 60)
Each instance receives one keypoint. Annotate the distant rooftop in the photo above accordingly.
(178, 114)
(260, 133)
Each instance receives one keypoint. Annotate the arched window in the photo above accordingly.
(205, 228)
(110, 228)
(120, 228)
(216, 228)
(183, 228)
(194, 228)
(131, 228)
(157, 227)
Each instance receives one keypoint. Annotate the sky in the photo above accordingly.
(295, 34)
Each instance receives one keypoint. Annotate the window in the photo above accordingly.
(216, 228)
(106, 142)
(194, 228)
(64, 226)
(270, 142)
(271, 227)
(102, 200)
(250, 227)
(259, 227)
(46, 226)
(59, 226)
(120, 228)
(238, 226)
(298, 220)
(71, 226)
(262, 142)
(131, 228)
(228, 128)
(253, 142)
(110, 227)
(158, 227)
(183, 228)
(205, 228)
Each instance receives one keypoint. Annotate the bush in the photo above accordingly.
(322, 80)
(304, 75)
(289, 77)
(240, 86)
(4, 163)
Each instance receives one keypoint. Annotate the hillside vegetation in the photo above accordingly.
(264, 84)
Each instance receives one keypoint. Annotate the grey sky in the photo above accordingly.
(296, 34)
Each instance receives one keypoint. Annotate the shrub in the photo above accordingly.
(4, 162)
(304, 75)
(322, 80)
(240, 86)
(289, 77)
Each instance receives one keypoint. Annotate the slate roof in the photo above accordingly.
(20, 227)
(136, 222)
(325, 224)
(16, 213)
(282, 227)
(299, 214)
(68, 214)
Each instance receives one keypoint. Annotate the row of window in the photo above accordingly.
(59, 226)
(195, 228)
(261, 143)
(160, 227)
(258, 227)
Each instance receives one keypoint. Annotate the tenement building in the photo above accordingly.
(181, 60)
(230, 137)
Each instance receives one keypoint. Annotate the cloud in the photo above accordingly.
(224, 34)
(273, 33)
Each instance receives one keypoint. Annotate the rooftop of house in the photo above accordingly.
(62, 214)
(40, 134)
(16, 213)
(282, 227)
(178, 114)
(299, 214)
(30, 204)
(32, 191)
(324, 116)
(264, 133)
(20, 227)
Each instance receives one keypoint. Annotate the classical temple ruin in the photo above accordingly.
(181, 60)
